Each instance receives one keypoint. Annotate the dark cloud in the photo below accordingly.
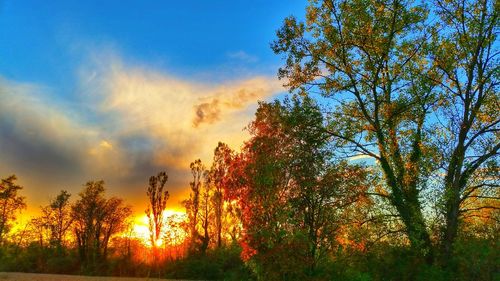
(45, 167)
(210, 112)
(207, 112)
(34, 152)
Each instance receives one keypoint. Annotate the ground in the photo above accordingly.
(55, 277)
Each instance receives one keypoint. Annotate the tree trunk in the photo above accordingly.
(219, 236)
(405, 200)
(416, 229)
(205, 241)
(452, 198)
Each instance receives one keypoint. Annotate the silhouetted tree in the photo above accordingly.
(54, 223)
(192, 204)
(59, 218)
(157, 197)
(206, 213)
(96, 220)
(10, 203)
(218, 171)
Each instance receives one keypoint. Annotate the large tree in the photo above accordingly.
(10, 203)
(323, 190)
(260, 180)
(466, 56)
(292, 194)
(394, 75)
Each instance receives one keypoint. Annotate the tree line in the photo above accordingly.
(83, 228)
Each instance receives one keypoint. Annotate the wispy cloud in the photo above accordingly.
(243, 56)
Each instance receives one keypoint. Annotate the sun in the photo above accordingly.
(172, 233)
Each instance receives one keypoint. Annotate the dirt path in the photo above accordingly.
(14, 276)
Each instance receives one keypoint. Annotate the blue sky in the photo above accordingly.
(119, 90)
(45, 41)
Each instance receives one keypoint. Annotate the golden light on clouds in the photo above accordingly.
(187, 117)
(127, 123)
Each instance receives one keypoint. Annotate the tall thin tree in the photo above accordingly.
(219, 170)
(158, 196)
(193, 203)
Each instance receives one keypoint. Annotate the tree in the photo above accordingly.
(157, 203)
(372, 55)
(193, 203)
(54, 223)
(418, 94)
(206, 213)
(10, 203)
(218, 171)
(59, 218)
(323, 189)
(257, 178)
(413, 92)
(40, 228)
(175, 238)
(467, 58)
(293, 195)
(96, 221)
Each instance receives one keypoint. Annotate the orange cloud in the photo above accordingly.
(183, 119)
(207, 112)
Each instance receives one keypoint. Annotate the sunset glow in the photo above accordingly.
(173, 233)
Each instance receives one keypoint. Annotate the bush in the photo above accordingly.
(477, 259)
(217, 264)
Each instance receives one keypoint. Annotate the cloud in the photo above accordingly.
(242, 56)
(48, 146)
(181, 118)
(33, 128)
(137, 121)
(359, 157)
(207, 112)
(233, 97)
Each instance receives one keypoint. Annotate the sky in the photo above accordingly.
(121, 90)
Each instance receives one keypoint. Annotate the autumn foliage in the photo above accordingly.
(381, 164)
